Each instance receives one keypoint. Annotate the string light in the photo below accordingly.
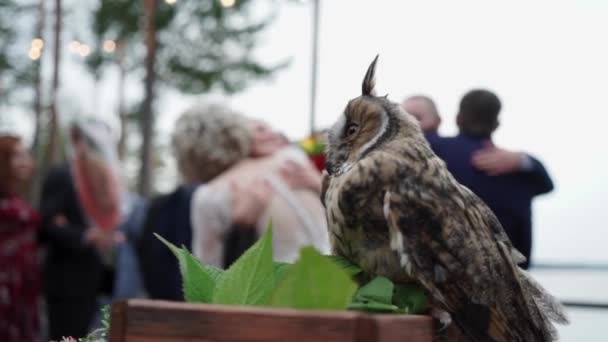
(34, 54)
(37, 43)
(109, 46)
(227, 3)
(75, 46)
(84, 50)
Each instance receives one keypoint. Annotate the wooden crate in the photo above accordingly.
(161, 321)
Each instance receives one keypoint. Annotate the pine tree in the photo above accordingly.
(195, 46)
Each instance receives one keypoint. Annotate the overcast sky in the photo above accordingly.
(547, 60)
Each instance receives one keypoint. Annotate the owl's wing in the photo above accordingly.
(454, 246)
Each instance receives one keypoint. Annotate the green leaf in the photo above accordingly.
(199, 284)
(199, 281)
(345, 265)
(411, 298)
(373, 307)
(375, 296)
(251, 279)
(106, 313)
(173, 248)
(380, 290)
(280, 270)
(314, 282)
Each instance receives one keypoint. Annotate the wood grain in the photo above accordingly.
(161, 321)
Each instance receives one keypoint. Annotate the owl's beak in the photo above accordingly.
(329, 167)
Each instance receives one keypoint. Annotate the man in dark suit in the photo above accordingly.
(507, 181)
(168, 216)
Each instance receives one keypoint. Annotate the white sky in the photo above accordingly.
(547, 60)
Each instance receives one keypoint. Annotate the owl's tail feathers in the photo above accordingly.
(549, 308)
(548, 304)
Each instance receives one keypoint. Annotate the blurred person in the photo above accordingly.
(81, 208)
(128, 282)
(250, 175)
(492, 160)
(20, 283)
(423, 108)
(167, 215)
(507, 181)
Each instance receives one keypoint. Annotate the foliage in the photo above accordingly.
(16, 71)
(381, 295)
(314, 282)
(251, 279)
(99, 335)
(202, 45)
(199, 280)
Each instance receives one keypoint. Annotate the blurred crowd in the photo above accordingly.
(91, 240)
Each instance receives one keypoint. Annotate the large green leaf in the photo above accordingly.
(314, 282)
(199, 281)
(251, 279)
(280, 270)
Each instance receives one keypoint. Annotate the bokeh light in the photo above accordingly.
(109, 46)
(34, 54)
(37, 43)
(84, 50)
(227, 3)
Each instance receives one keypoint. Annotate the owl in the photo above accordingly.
(396, 211)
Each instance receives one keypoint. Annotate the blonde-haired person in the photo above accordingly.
(250, 175)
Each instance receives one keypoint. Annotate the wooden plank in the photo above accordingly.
(160, 321)
(403, 328)
(117, 322)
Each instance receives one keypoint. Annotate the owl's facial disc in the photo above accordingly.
(357, 131)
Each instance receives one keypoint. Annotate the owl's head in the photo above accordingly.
(368, 122)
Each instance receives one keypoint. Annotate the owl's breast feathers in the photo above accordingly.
(451, 243)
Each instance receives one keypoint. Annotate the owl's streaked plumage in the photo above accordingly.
(395, 210)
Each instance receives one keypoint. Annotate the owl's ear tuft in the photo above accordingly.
(369, 81)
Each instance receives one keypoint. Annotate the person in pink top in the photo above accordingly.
(81, 209)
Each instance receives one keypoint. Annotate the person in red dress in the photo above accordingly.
(19, 264)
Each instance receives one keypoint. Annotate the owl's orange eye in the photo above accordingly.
(351, 129)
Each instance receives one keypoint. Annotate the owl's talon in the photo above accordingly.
(443, 317)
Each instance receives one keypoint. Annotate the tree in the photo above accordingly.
(20, 77)
(194, 46)
(145, 174)
(16, 72)
(53, 152)
(38, 82)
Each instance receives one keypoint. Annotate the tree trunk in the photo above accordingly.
(36, 149)
(38, 82)
(53, 153)
(147, 124)
(122, 115)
